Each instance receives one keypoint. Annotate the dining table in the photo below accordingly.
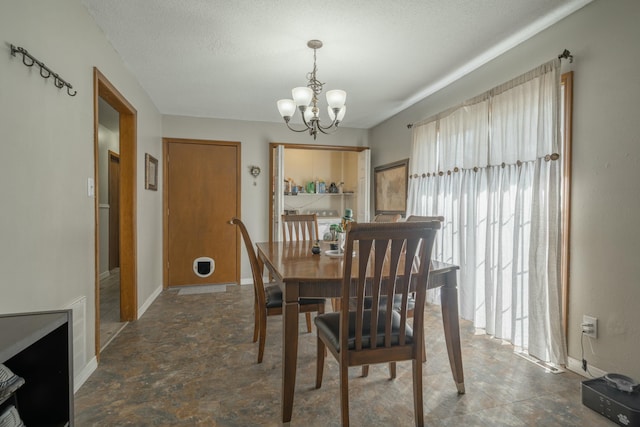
(303, 274)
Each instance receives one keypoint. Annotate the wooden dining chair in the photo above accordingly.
(391, 258)
(418, 218)
(303, 227)
(300, 227)
(387, 218)
(367, 303)
(412, 218)
(268, 299)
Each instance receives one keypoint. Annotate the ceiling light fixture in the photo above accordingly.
(306, 99)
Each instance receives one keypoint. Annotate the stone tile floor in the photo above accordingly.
(189, 361)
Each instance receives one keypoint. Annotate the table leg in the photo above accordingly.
(290, 314)
(449, 302)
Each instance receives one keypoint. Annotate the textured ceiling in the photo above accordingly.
(234, 59)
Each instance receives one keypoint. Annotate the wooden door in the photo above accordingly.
(202, 194)
(114, 210)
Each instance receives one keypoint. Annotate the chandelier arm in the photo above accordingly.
(334, 124)
(295, 130)
(328, 130)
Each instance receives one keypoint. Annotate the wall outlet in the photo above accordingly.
(590, 326)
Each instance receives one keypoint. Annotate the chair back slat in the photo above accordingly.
(390, 262)
(303, 227)
(256, 264)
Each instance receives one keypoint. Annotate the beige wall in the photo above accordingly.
(605, 236)
(254, 138)
(47, 221)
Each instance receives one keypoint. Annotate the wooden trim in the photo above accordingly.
(272, 188)
(567, 82)
(201, 141)
(96, 225)
(165, 198)
(319, 147)
(102, 88)
(165, 210)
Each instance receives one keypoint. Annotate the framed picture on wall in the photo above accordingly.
(151, 172)
(390, 188)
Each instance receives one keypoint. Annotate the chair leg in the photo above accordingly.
(424, 351)
(321, 349)
(256, 322)
(335, 304)
(263, 335)
(308, 317)
(365, 370)
(417, 393)
(344, 394)
(392, 370)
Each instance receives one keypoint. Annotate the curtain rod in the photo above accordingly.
(564, 55)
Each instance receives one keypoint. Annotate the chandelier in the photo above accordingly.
(306, 99)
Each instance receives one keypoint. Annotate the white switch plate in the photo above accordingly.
(91, 187)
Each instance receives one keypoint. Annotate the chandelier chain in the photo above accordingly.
(314, 84)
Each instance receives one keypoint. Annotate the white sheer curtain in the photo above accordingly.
(490, 168)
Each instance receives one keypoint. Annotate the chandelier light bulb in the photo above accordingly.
(336, 98)
(308, 114)
(302, 96)
(286, 107)
(341, 113)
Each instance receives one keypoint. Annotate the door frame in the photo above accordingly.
(102, 88)
(165, 198)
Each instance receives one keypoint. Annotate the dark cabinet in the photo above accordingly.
(38, 348)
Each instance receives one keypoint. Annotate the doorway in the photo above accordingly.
(114, 210)
(348, 165)
(126, 200)
(201, 195)
(108, 195)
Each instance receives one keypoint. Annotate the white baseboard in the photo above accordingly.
(249, 281)
(575, 365)
(85, 374)
(149, 301)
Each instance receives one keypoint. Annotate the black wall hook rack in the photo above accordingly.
(45, 72)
